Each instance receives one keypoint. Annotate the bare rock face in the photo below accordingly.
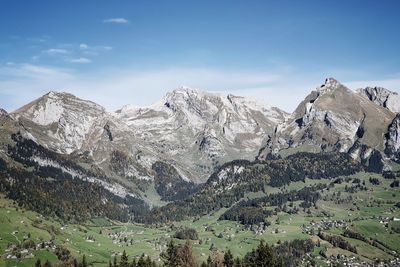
(331, 118)
(199, 130)
(392, 146)
(3, 112)
(382, 97)
(62, 121)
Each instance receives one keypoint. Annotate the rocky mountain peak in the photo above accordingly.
(330, 84)
(382, 97)
(54, 106)
(3, 112)
(60, 120)
(331, 118)
(57, 94)
(188, 99)
(183, 92)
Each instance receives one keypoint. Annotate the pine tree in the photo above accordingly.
(110, 264)
(84, 263)
(148, 262)
(47, 264)
(228, 259)
(141, 262)
(170, 256)
(115, 262)
(237, 263)
(263, 256)
(134, 264)
(268, 256)
(124, 262)
(209, 260)
(38, 263)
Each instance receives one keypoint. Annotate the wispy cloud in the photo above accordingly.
(55, 51)
(116, 20)
(21, 83)
(40, 39)
(71, 53)
(93, 50)
(22, 72)
(105, 48)
(83, 46)
(81, 60)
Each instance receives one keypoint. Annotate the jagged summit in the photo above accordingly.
(330, 83)
(185, 88)
(332, 86)
(59, 94)
(382, 97)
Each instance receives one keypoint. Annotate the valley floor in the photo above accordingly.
(373, 213)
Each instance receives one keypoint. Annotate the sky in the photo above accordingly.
(133, 52)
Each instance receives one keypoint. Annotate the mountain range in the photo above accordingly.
(162, 152)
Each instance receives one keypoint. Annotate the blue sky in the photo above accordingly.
(133, 52)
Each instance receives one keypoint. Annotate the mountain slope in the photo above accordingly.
(234, 180)
(391, 101)
(332, 118)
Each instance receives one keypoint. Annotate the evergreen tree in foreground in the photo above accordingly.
(124, 262)
(84, 263)
(170, 256)
(228, 259)
(47, 264)
(263, 256)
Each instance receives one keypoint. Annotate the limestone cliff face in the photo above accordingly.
(392, 146)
